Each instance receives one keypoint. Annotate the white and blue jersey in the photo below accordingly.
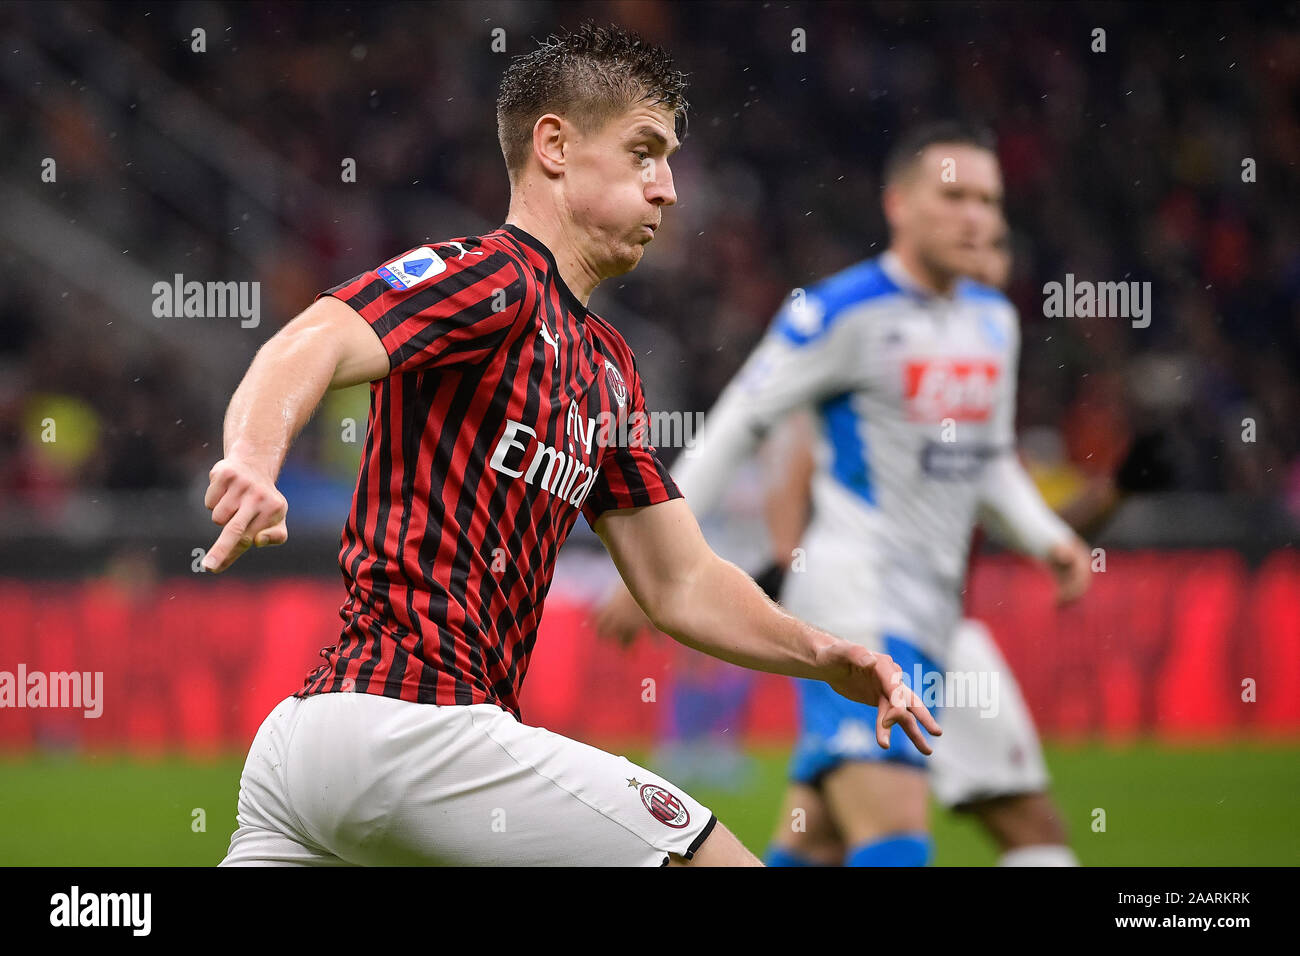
(913, 394)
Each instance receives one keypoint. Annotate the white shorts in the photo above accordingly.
(343, 779)
(991, 754)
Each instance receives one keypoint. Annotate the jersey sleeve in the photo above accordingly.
(1010, 507)
(434, 307)
(631, 473)
(810, 352)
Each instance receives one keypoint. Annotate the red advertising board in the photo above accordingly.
(1174, 645)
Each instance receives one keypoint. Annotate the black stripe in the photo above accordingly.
(368, 293)
(695, 844)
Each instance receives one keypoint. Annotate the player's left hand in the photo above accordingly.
(1071, 564)
(619, 616)
(876, 679)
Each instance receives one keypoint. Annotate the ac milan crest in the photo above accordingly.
(663, 804)
(616, 382)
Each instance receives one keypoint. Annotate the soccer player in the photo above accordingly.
(911, 370)
(989, 765)
(492, 386)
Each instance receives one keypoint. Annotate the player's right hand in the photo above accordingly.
(244, 501)
(1071, 564)
(875, 679)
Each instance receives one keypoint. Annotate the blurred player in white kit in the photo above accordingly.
(988, 765)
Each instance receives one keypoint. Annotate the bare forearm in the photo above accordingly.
(723, 613)
(276, 398)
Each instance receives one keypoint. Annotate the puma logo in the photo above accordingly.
(463, 251)
(552, 341)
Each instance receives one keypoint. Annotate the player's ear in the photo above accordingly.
(549, 135)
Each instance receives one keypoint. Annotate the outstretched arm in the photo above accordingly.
(711, 605)
(327, 346)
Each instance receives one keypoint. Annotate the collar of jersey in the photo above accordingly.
(566, 295)
(892, 266)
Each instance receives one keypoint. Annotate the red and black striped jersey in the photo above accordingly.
(494, 428)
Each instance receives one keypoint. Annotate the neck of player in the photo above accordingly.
(936, 281)
(577, 273)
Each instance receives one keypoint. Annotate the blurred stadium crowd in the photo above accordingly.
(1119, 165)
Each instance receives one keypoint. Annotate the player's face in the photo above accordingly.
(949, 207)
(617, 183)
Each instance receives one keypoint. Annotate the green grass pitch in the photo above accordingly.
(1211, 806)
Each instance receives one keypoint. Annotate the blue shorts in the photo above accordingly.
(833, 729)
